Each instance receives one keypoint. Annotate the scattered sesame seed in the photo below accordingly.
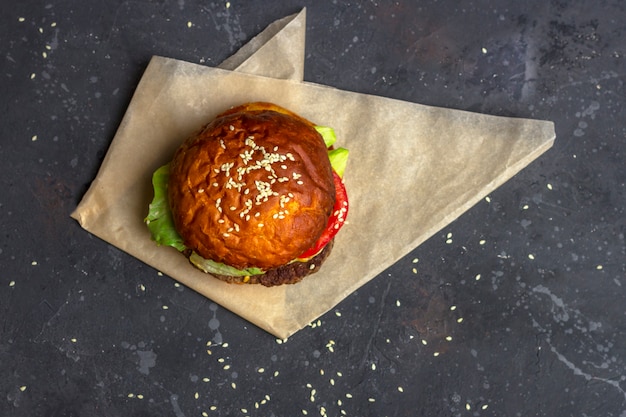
(477, 277)
(459, 320)
(227, 4)
(304, 412)
(12, 284)
(276, 374)
(53, 24)
(549, 186)
(525, 207)
(449, 338)
(599, 267)
(337, 313)
(424, 342)
(33, 138)
(189, 24)
(44, 54)
(131, 395)
(226, 367)
(452, 308)
(484, 50)
(33, 263)
(205, 379)
(261, 370)
(400, 389)
(208, 351)
(414, 270)
(348, 395)
(482, 242)
(487, 199)
(165, 307)
(233, 385)
(531, 256)
(485, 406)
(140, 396)
(205, 414)
(373, 366)
(32, 76)
(23, 388)
(73, 340)
(372, 400)
(468, 406)
(448, 241)
(196, 396)
(213, 408)
(20, 19)
(436, 354)
(312, 266)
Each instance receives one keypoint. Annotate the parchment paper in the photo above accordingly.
(413, 169)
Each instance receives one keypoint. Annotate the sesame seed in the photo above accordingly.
(477, 277)
(312, 266)
(231, 127)
(226, 234)
(260, 225)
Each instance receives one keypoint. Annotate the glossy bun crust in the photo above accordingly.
(253, 188)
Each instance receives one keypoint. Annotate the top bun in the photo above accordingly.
(253, 188)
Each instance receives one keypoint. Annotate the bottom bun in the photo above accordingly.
(286, 274)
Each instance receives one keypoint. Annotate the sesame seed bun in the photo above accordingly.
(253, 188)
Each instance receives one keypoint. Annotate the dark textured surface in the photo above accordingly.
(515, 309)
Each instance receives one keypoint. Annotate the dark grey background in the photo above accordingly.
(83, 331)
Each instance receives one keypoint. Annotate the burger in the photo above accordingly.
(256, 196)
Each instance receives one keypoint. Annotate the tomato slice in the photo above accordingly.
(335, 221)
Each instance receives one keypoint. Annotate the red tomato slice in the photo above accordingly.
(335, 221)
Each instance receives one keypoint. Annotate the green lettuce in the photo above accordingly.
(219, 268)
(159, 218)
(328, 134)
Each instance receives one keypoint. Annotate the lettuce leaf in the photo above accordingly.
(159, 218)
(338, 160)
(213, 267)
(328, 134)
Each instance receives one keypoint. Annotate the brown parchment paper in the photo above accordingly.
(413, 169)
